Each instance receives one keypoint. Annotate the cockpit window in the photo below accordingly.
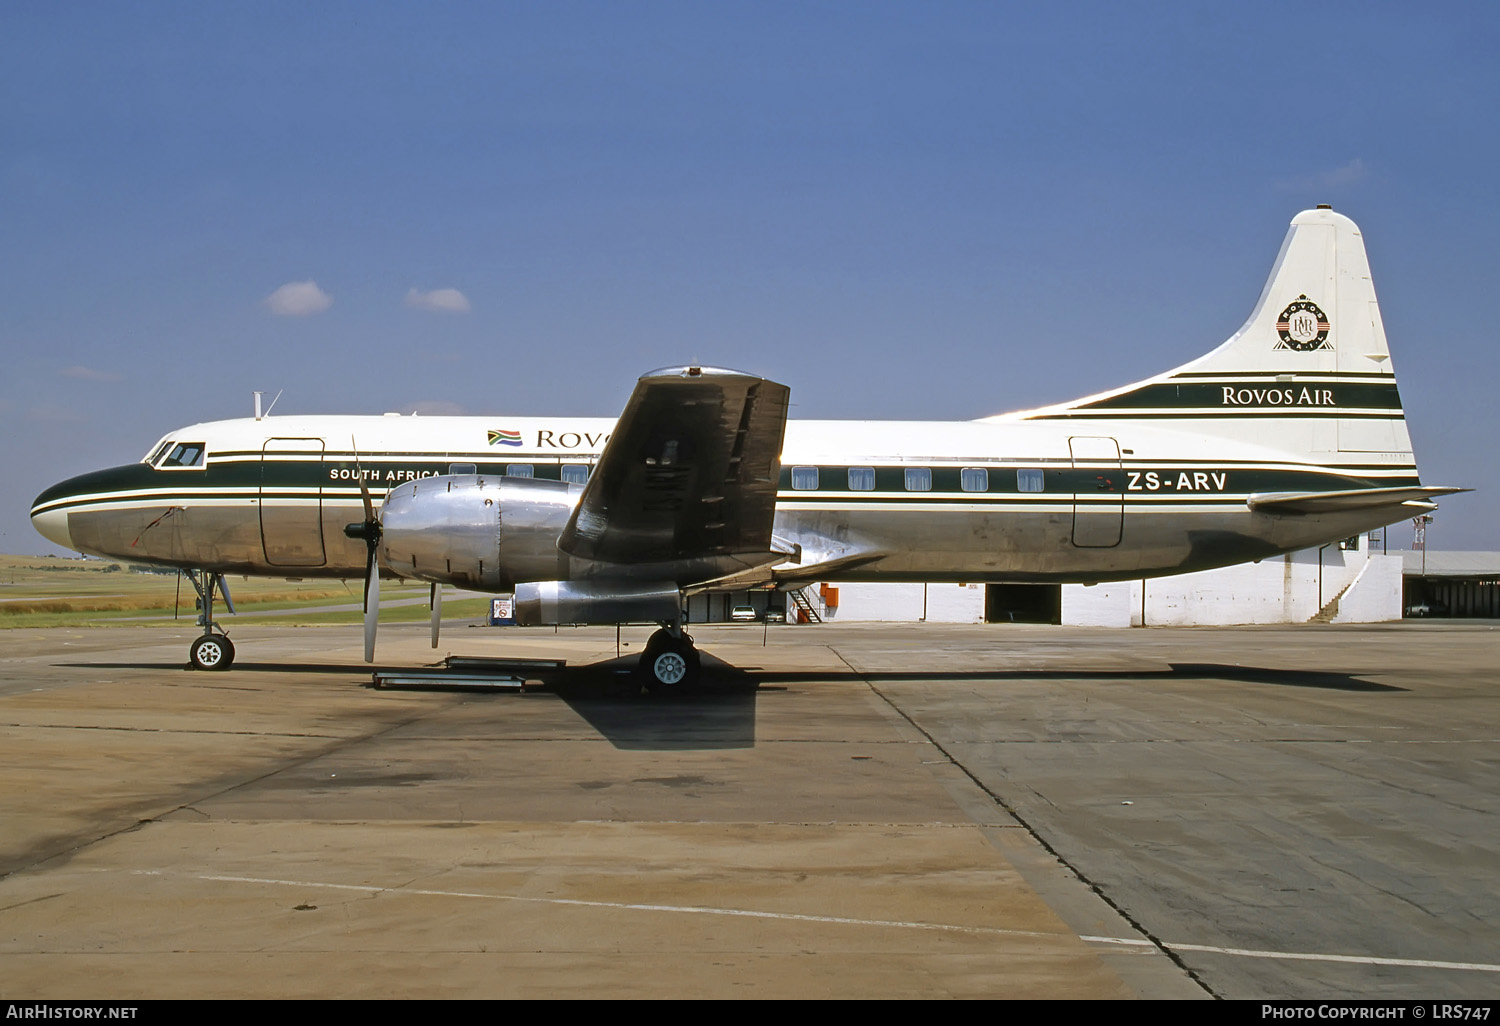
(183, 454)
(159, 451)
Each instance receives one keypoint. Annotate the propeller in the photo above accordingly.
(437, 611)
(369, 530)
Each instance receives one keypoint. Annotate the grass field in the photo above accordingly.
(53, 591)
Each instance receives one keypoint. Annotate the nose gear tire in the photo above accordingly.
(212, 652)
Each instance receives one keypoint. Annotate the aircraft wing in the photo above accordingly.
(688, 478)
(786, 575)
(1343, 501)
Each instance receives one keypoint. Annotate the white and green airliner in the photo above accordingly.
(1290, 434)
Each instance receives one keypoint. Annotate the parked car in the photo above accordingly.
(741, 614)
(1427, 609)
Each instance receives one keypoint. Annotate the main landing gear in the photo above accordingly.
(213, 651)
(670, 662)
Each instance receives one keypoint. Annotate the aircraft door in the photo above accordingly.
(291, 501)
(1098, 492)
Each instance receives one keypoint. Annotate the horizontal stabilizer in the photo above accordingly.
(1344, 501)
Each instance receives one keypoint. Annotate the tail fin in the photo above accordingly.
(1309, 372)
(1317, 312)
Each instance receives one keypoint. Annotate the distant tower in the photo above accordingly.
(1419, 537)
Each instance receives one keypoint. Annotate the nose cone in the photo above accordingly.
(53, 525)
(51, 520)
(86, 497)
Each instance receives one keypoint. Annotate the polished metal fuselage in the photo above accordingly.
(281, 509)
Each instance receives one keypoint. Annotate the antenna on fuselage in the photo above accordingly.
(258, 413)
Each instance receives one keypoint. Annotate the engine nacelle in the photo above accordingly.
(601, 600)
(476, 531)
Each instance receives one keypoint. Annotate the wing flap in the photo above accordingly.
(1343, 501)
(689, 474)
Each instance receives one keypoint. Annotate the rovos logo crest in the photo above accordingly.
(1302, 326)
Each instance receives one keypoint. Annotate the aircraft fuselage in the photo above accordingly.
(1007, 501)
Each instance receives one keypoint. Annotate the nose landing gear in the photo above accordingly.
(212, 651)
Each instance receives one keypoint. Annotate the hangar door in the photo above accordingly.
(1098, 491)
(291, 501)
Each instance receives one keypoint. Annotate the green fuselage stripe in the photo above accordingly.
(1342, 398)
(339, 479)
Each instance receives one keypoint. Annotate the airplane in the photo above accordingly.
(1291, 434)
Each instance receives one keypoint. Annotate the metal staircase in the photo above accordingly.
(804, 606)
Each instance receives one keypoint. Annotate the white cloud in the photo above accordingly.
(88, 373)
(441, 300)
(1346, 175)
(298, 299)
(1334, 178)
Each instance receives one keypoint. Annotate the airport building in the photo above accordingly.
(1462, 584)
(1344, 582)
(1354, 581)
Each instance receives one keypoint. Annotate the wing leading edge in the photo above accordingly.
(688, 478)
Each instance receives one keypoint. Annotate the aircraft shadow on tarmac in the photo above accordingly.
(719, 713)
(1207, 672)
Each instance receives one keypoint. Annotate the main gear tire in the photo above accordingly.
(211, 652)
(669, 665)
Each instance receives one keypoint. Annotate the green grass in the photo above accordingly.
(51, 591)
(456, 609)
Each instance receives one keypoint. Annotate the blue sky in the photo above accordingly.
(903, 210)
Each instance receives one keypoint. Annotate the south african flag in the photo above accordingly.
(503, 437)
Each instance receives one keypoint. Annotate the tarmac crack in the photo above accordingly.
(40, 855)
(160, 730)
(30, 901)
(1032, 830)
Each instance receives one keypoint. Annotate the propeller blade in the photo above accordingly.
(437, 611)
(369, 530)
(370, 570)
(364, 494)
(364, 491)
(372, 608)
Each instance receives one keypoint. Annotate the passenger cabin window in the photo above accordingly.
(805, 479)
(575, 473)
(463, 468)
(861, 479)
(184, 454)
(520, 470)
(974, 479)
(918, 479)
(1028, 480)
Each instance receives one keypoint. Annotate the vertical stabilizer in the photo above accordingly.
(1309, 372)
(1317, 312)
